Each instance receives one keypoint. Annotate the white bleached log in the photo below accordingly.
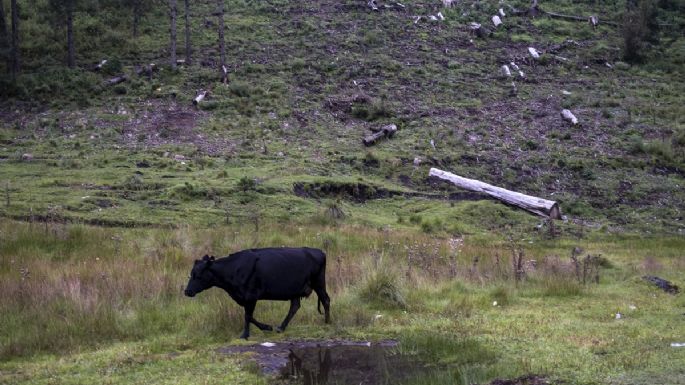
(416, 19)
(505, 71)
(534, 53)
(501, 12)
(539, 206)
(496, 21)
(433, 18)
(200, 97)
(372, 5)
(116, 80)
(440, 16)
(447, 3)
(568, 115)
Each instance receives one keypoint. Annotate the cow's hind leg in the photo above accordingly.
(326, 301)
(294, 306)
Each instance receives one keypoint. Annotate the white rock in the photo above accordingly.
(632, 307)
(496, 21)
(268, 344)
(494, 303)
(618, 316)
(677, 344)
(501, 12)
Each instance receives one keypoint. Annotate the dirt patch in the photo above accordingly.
(361, 192)
(170, 123)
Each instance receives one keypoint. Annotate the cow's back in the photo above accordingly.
(286, 273)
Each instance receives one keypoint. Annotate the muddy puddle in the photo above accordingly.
(332, 362)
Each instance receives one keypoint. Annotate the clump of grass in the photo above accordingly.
(382, 288)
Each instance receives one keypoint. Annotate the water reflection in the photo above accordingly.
(358, 364)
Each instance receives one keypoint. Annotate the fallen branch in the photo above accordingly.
(100, 65)
(539, 206)
(385, 132)
(224, 74)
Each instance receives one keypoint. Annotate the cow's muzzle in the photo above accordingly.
(189, 293)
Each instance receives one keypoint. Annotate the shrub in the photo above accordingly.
(246, 184)
(382, 288)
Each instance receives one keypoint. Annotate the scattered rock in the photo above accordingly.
(179, 157)
(27, 157)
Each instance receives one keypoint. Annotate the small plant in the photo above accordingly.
(382, 288)
(246, 184)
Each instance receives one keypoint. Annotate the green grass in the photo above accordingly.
(81, 301)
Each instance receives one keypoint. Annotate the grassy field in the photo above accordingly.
(85, 304)
(107, 194)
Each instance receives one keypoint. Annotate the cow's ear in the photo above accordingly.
(205, 258)
(212, 258)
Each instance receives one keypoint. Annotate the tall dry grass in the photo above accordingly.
(66, 287)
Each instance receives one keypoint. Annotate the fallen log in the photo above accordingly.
(568, 115)
(199, 97)
(116, 80)
(539, 206)
(385, 132)
(478, 29)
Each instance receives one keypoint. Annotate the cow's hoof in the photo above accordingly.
(279, 329)
(244, 336)
(267, 328)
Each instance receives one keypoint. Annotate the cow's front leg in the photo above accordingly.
(294, 306)
(249, 309)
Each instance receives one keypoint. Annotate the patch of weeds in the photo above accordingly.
(383, 288)
(246, 184)
(239, 88)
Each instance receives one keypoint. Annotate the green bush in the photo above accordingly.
(382, 288)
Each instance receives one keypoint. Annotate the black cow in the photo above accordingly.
(281, 274)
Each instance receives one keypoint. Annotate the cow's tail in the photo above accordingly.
(322, 281)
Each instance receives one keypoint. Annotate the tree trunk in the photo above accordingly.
(535, 205)
(172, 31)
(187, 18)
(136, 17)
(16, 62)
(71, 55)
(222, 45)
(4, 38)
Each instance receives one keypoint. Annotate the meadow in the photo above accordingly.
(108, 193)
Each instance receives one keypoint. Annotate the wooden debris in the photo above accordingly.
(385, 132)
(433, 18)
(447, 3)
(539, 206)
(478, 29)
(372, 5)
(534, 53)
(594, 21)
(516, 68)
(200, 97)
(514, 91)
(501, 12)
(180, 62)
(440, 16)
(116, 80)
(568, 115)
(416, 19)
(224, 74)
(496, 21)
(99, 66)
(505, 71)
(146, 70)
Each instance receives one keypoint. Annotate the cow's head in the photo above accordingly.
(200, 277)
